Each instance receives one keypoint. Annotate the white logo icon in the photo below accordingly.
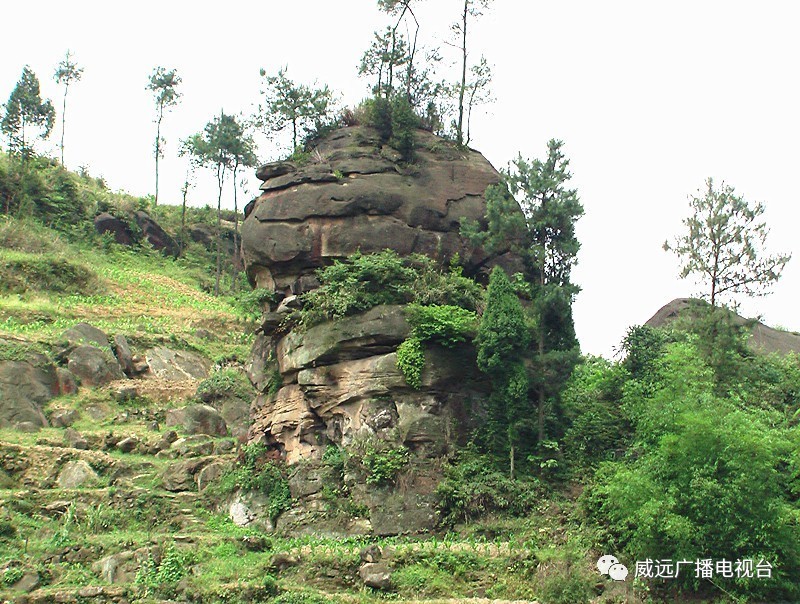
(609, 565)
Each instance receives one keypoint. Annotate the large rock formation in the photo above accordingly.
(355, 194)
(338, 383)
(763, 338)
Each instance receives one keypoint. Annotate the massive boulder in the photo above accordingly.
(356, 194)
(338, 383)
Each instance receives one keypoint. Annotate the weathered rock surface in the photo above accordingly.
(77, 473)
(155, 235)
(83, 333)
(171, 364)
(376, 575)
(94, 366)
(198, 419)
(179, 476)
(357, 196)
(106, 223)
(24, 387)
(763, 338)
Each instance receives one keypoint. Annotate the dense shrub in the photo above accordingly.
(223, 383)
(255, 471)
(411, 361)
(367, 280)
(474, 487)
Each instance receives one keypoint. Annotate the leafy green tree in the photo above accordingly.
(503, 337)
(725, 245)
(66, 73)
(545, 237)
(164, 86)
(218, 147)
(304, 108)
(25, 110)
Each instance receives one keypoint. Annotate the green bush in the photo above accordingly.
(223, 383)
(296, 597)
(255, 471)
(474, 487)
(383, 465)
(404, 122)
(363, 281)
(442, 324)
(411, 361)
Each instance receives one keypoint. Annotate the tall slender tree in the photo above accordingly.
(66, 73)
(244, 156)
(472, 9)
(220, 146)
(551, 211)
(164, 86)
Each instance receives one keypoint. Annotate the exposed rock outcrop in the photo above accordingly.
(357, 195)
(338, 383)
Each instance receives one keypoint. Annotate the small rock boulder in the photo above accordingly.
(24, 387)
(376, 575)
(83, 333)
(94, 366)
(74, 439)
(198, 419)
(76, 474)
(179, 476)
(124, 355)
(155, 235)
(171, 364)
(63, 418)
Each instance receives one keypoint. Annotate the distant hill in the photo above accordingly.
(764, 338)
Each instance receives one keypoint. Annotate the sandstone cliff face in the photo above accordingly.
(337, 383)
(353, 194)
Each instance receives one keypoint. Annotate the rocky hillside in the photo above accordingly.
(763, 338)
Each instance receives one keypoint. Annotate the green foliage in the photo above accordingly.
(305, 109)
(223, 383)
(384, 464)
(404, 122)
(411, 361)
(173, 567)
(25, 109)
(725, 245)
(503, 333)
(443, 324)
(395, 120)
(597, 427)
(708, 474)
(255, 471)
(367, 280)
(446, 325)
(474, 487)
(12, 574)
(254, 302)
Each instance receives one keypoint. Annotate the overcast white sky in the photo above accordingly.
(650, 99)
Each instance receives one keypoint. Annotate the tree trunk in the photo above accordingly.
(183, 213)
(63, 121)
(511, 461)
(462, 88)
(220, 182)
(236, 256)
(158, 146)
